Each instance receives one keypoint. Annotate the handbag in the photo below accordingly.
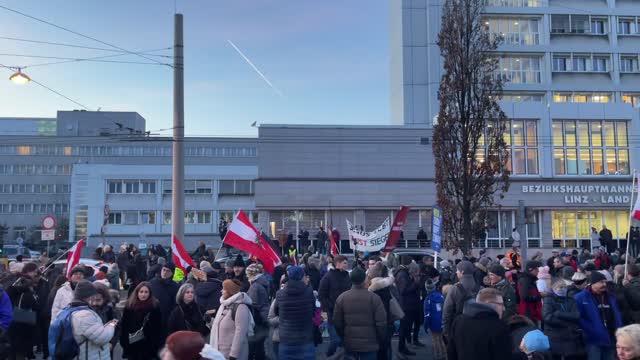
(139, 334)
(23, 316)
(395, 309)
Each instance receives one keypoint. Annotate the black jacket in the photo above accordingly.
(470, 336)
(208, 294)
(295, 305)
(109, 257)
(154, 271)
(165, 291)
(334, 283)
(519, 326)
(154, 333)
(409, 291)
(189, 317)
(314, 277)
(632, 295)
(244, 281)
(22, 295)
(562, 325)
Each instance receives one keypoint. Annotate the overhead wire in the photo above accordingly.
(67, 59)
(81, 46)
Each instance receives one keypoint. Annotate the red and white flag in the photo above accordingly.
(73, 256)
(332, 241)
(242, 235)
(180, 256)
(636, 208)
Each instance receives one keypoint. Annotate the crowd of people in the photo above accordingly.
(572, 305)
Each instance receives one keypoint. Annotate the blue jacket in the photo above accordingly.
(6, 310)
(433, 304)
(595, 333)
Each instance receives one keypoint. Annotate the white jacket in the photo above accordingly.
(63, 298)
(91, 335)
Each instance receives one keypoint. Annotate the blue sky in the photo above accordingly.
(329, 58)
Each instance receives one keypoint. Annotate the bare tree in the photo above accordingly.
(468, 145)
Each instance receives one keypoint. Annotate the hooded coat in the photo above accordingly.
(164, 290)
(360, 320)
(454, 297)
(208, 293)
(22, 295)
(230, 335)
(259, 294)
(632, 295)
(63, 298)
(334, 283)
(562, 325)
(295, 306)
(470, 339)
(91, 334)
(509, 298)
(530, 299)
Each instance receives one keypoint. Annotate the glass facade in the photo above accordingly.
(521, 136)
(572, 229)
(520, 69)
(190, 150)
(515, 31)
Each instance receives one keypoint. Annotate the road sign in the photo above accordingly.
(20, 241)
(436, 229)
(48, 222)
(48, 235)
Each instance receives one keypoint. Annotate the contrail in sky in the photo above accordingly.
(256, 69)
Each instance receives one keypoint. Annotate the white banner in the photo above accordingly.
(369, 240)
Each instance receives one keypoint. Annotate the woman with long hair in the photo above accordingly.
(187, 315)
(141, 326)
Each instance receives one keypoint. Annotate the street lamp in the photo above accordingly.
(20, 78)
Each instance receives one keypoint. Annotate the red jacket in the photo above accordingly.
(530, 300)
(603, 262)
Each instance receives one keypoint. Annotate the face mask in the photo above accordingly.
(561, 292)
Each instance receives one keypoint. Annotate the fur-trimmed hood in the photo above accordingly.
(380, 283)
(481, 267)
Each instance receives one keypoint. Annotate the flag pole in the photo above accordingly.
(631, 203)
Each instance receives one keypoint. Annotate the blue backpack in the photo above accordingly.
(62, 345)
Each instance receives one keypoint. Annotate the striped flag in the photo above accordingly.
(636, 208)
(73, 256)
(242, 235)
(332, 241)
(180, 256)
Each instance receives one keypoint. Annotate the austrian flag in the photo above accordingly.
(242, 235)
(180, 256)
(636, 208)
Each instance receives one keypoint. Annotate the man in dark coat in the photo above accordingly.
(606, 239)
(22, 335)
(360, 319)
(295, 305)
(479, 333)
(239, 274)
(200, 252)
(332, 285)
(498, 282)
(459, 294)
(41, 289)
(422, 238)
(408, 284)
(208, 292)
(156, 269)
(123, 260)
(164, 289)
(632, 292)
(530, 299)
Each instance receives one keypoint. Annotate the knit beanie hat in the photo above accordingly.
(253, 271)
(229, 263)
(577, 277)
(204, 263)
(295, 272)
(185, 345)
(81, 269)
(430, 285)
(357, 276)
(596, 276)
(465, 267)
(498, 270)
(231, 287)
(169, 266)
(484, 261)
(29, 267)
(239, 262)
(84, 290)
(536, 341)
(533, 264)
(543, 272)
(161, 260)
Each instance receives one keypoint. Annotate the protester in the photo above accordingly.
(606, 238)
(113, 276)
(534, 344)
(101, 304)
(518, 326)
(141, 324)
(433, 304)
(313, 271)
(208, 292)
(274, 324)
(25, 301)
(239, 273)
(360, 319)
(459, 294)
(187, 315)
(156, 269)
(41, 290)
(123, 260)
(446, 274)
(599, 317)
(107, 255)
(334, 283)
(543, 284)
(530, 298)
(188, 345)
(294, 306)
(632, 292)
(562, 323)
(603, 260)
(230, 328)
(200, 252)
(585, 254)
(481, 270)
(408, 285)
(259, 294)
(628, 342)
(64, 295)
(164, 289)
(579, 283)
(498, 281)
(479, 333)
(90, 333)
(380, 283)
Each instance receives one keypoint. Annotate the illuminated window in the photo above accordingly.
(633, 99)
(24, 150)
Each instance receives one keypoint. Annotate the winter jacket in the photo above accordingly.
(509, 298)
(229, 335)
(107, 313)
(632, 295)
(154, 333)
(164, 290)
(478, 334)
(454, 297)
(314, 277)
(274, 322)
(409, 291)
(259, 294)
(21, 335)
(114, 278)
(123, 261)
(603, 262)
(244, 281)
(208, 294)
(479, 273)
(334, 283)
(63, 298)
(382, 287)
(295, 306)
(433, 304)
(518, 326)
(562, 325)
(91, 335)
(595, 333)
(360, 319)
(6, 310)
(109, 257)
(189, 317)
(154, 271)
(530, 299)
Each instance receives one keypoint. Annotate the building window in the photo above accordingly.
(571, 229)
(166, 217)
(203, 186)
(522, 97)
(519, 69)
(243, 187)
(563, 97)
(147, 217)
(115, 218)
(578, 24)
(633, 99)
(148, 186)
(628, 63)
(227, 216)
(579, 147)
(515, 3)
(189, 186)
(598, 26)
(130, 217)
(560, 63)
(114, 186)
(533, 231)
(204, 217)
(499, 226)
(628, 26)
(237, 187)
(580, 63)
(167, 186)
(132, 186)
(521, 136)
(515, 31)
(189, 217)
